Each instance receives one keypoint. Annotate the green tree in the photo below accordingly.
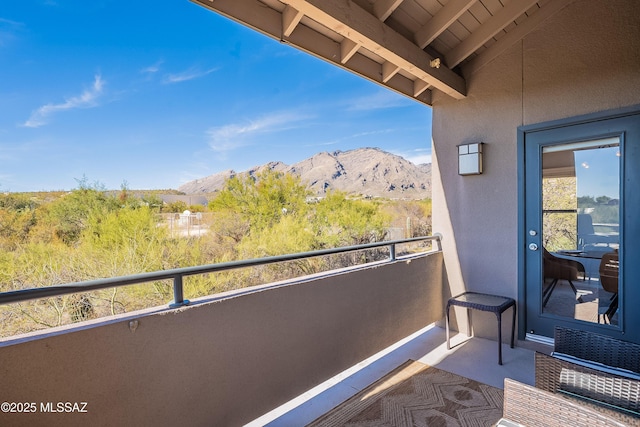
(414, 216)
(122, 228)
(586, 202)
(17, 219)
(21, 218)
(559, 228)
(153, 201)
(175, 207)
(260, 202)
(89, 233)
(338, 221)
(69, 215)
(17, 202)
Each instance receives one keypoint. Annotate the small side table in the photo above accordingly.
(484, 302)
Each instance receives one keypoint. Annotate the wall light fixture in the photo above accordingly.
(470, 158)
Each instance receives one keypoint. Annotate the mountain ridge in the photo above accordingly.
(368, 172)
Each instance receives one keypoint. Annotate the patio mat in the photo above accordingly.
(415, 394)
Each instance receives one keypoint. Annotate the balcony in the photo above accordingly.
(474, 358)
(278, 354)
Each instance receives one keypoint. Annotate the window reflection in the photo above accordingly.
(581, 229)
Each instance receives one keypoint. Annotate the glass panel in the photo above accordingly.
(580, 230)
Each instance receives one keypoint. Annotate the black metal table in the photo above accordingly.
(484, 302)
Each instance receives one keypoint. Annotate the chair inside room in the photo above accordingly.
(609, 269)
(586, 232)
(589, 240)
(556, 269)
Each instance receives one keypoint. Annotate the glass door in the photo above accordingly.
(579, 180)
(580, 232)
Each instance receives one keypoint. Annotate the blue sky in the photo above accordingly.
(598, 172)
(155, 94)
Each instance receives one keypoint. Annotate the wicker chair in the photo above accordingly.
(533, 407)
(597, 348)
(609, 268)
(597, 373)
(614, 396)
(600, 371)
(556, 269)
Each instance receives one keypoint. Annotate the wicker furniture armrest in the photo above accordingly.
(617, 397)
(597, 366)
(533, 407)
(598, 348)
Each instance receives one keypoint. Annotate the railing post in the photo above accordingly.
(438, 237)
(178, 296)
(392, 252)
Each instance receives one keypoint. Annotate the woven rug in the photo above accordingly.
(415, 394)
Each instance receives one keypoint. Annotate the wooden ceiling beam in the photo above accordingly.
(290, 19)
(354, 23)
(419, 87)
(514, 36)
(384, 8)
(495, 24)
(348, 48)
(441, 21)
(389, 70)
(329, 50)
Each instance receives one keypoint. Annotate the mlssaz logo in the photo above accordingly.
(67, 407)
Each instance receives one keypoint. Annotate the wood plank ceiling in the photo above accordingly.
(413, 47)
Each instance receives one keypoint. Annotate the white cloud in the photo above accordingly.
(235, 135)
(377, 101)
(9, 30)
(190, 74)
(88, 99)
(350, 137)
(420, 159)
(372, 132)
(10, 23)
(417, 156)
(152, 69)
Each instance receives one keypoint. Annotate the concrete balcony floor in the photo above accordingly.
(474, 358)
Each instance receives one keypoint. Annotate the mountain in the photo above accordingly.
(364, 171)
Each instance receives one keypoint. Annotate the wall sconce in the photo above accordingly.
(470, 159)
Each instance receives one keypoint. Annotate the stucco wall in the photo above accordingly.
(221, 362)
(584, 59)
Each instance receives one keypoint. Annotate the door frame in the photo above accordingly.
(630, 174)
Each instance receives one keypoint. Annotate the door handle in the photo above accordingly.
(533, 247)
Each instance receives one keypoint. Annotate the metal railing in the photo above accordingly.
(178, 274)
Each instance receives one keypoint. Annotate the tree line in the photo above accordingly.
(89, 233)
